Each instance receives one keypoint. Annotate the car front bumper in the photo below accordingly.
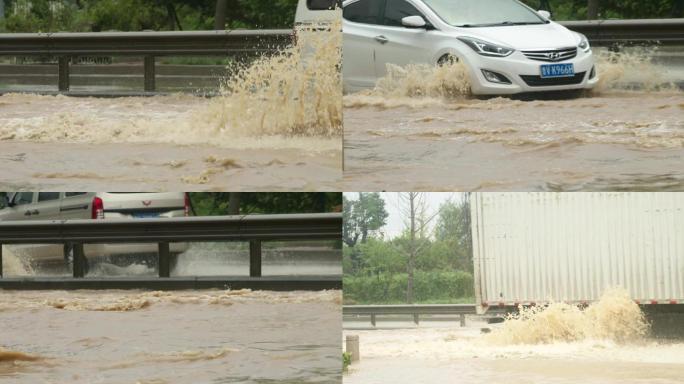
(517, 67)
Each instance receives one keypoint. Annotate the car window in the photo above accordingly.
(22, 198)
(395, 10)
(323, 5)
(364, 11)
(72, 194)
(48, 196)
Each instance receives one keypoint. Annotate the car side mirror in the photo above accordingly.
(544, 14)
(413, 22)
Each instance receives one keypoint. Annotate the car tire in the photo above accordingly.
(447, 59)
(69, 259)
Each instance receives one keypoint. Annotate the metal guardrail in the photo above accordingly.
(410, 309)
(610, 32)
(254, 228)
(64, 45)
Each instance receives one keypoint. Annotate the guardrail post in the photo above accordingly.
(373, 319)
(416, 318)
(63, 73)
(164, 260)
(255, 258)
(149, 74)
(353, 347)
(0, 260)
(79, 261)
(463, 324)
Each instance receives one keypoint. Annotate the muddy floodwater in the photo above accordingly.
(420, 129)
(170, 337)
(616, 141)
(165, 142)
(445, 353)
(275, 124)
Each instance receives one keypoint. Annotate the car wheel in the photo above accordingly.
(447, 59)
(69, 259)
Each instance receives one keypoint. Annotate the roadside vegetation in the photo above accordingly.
(609, 9)
(346, 361)
(169, 15)
(140, 15)
(425, 264)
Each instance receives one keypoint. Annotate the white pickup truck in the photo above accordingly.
(96, 206)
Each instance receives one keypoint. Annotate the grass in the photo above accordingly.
(346, 361)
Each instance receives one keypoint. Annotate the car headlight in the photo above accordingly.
(487, 49)
(584, 43)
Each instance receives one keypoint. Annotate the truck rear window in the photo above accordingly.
(323, 5)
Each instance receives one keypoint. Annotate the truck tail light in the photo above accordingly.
(97, 209)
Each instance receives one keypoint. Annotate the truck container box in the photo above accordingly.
(533, 248)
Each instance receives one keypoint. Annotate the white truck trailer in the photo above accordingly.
(533, 248)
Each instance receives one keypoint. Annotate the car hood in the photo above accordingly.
(526, 37)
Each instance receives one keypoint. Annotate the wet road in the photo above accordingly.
(200, 259)
(439, 352)
(420, 130)
(275, 125)
(166, 142)
(179, 337)
(616, 141)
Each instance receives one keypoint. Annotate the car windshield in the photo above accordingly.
(479, 13)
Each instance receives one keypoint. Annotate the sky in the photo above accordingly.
(395, 222)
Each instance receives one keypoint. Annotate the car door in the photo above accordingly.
(360, 22)
(45, 207)
(401, 45)
(20, 204)
(76, 205)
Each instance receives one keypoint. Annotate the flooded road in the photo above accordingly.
(276, 124)
(162, 337)
(420, 130)
(610, 341)
(439, 352)
(166, 142)
(198, 259)
(614, 142)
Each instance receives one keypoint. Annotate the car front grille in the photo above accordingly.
(552, 56)
(538, 81)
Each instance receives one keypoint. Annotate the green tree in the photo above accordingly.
(363, 216)
(453, 234)
(218, 203)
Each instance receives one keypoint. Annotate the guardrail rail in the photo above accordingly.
(65, 45)
(416, 310)
(611, 32)
(252, 228)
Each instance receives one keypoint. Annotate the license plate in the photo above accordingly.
(145, 215)
(557, 70)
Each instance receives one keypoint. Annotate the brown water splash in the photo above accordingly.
(614, 317)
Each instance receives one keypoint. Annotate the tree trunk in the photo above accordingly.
(220, 15)
(234, 203)
(412, 248)
(2, 9)
(172, 16)
(593, 9)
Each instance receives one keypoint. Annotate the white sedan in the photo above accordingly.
(506, 46)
